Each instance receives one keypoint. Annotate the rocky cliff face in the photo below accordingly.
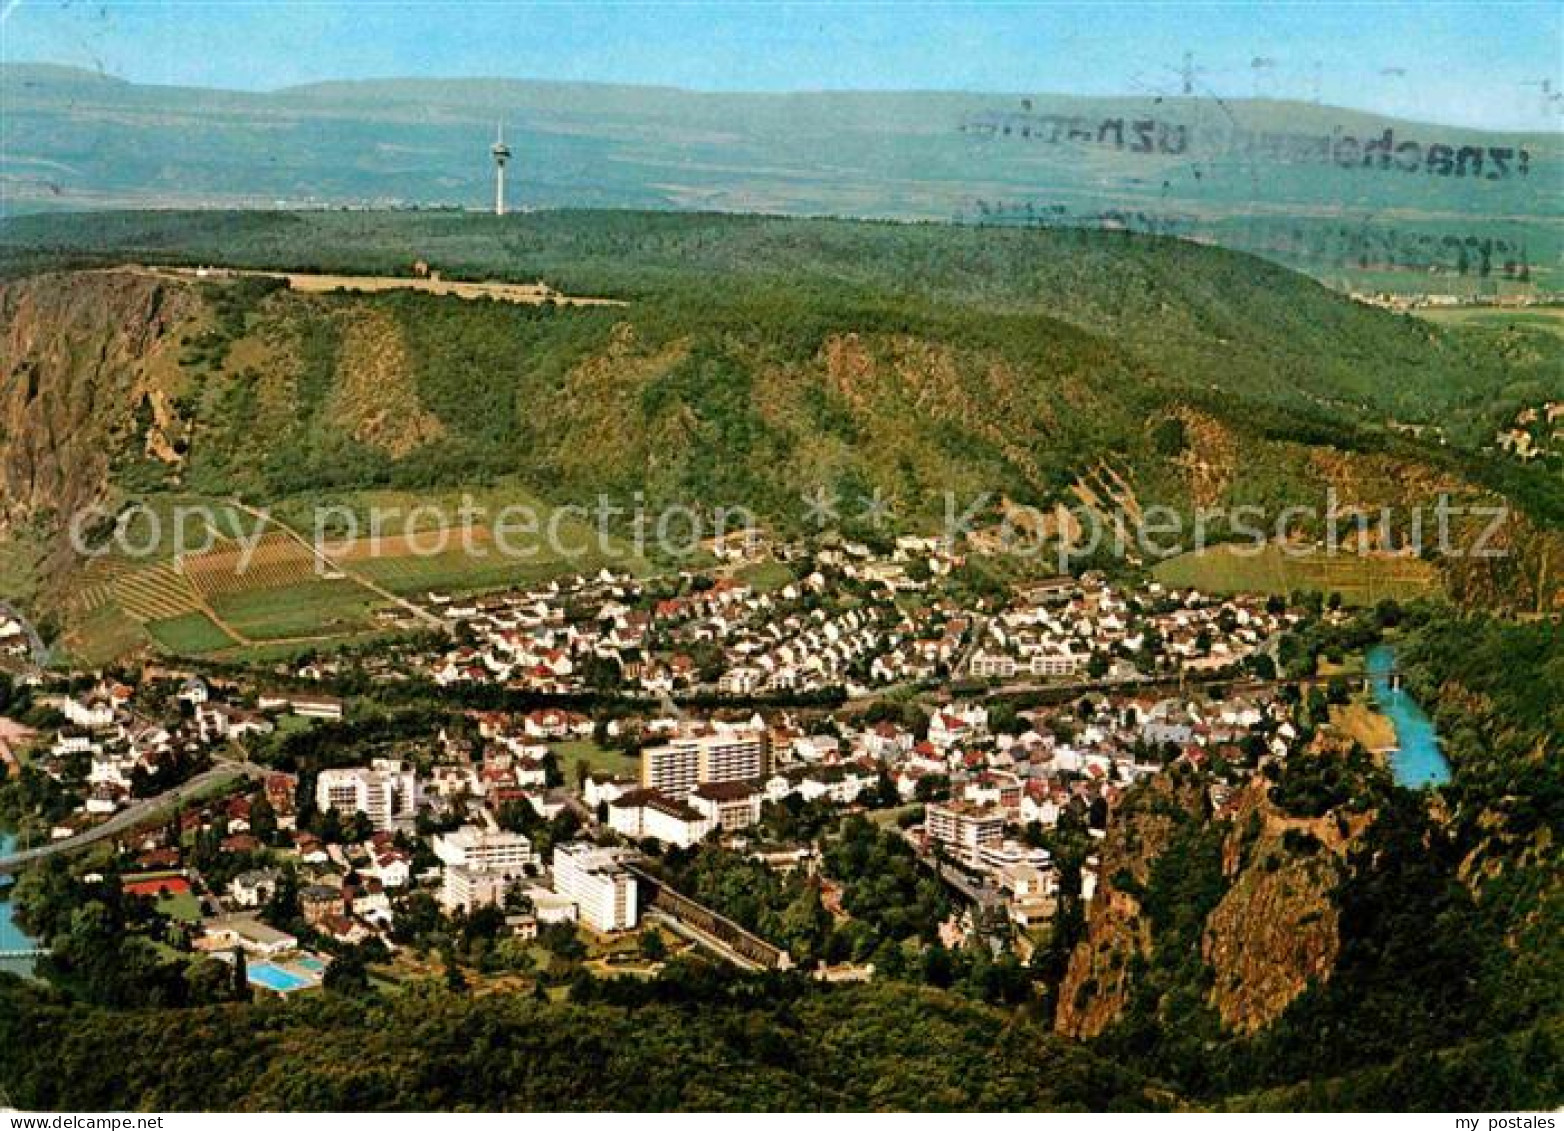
(1272, 932)
(1097, 984)
(84, 375)
(1276, 929)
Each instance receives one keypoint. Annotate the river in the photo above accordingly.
(11, 937)
(1417, 762)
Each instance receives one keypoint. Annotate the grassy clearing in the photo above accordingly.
(191, 634)
(159, 526)
(601, 760)
(103, 635)
(766, 577)
(1240, 569)
(318, 608)
(184, 908)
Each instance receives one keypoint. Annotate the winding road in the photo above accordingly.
(204, 783)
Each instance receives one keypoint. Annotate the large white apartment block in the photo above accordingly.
(483, 850)
(597, 882)
(386, 791)
(966, 829)
(722, 754)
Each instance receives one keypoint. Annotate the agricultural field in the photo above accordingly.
(413, 543)
(192, 634)
(1547, 318)
(1361, 580)
(314, 608)
(276, 561)
(156, 592)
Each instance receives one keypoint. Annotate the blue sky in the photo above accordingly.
(1462, 63)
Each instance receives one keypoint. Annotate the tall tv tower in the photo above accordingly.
(501, 154)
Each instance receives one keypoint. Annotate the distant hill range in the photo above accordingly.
(1358, 200)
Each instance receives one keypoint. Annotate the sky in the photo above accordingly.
(1461, 63)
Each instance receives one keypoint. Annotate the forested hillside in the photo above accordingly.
(694, 1041)
(753, 361)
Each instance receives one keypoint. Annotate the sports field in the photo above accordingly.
(1243, 568)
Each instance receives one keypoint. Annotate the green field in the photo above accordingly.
(601, 760)
(103, 635)
(316, 608)
(191, 634)
(1241, 568)
(766, 577)
(1547, 318)
(184, 907)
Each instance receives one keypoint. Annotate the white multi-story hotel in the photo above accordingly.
(483, 850)
(721, 754)
(965, 828)
(386, 792)
(596, 881)
(728, 806)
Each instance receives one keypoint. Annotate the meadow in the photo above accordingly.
(192, 634)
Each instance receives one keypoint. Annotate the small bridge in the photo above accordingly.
(716, 932)
(29, 952)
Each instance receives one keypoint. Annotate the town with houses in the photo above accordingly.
(705, 714)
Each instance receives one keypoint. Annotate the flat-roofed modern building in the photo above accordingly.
(386, 791)
(722, 753)
(484, 850)
(965, 828)
(597, 882)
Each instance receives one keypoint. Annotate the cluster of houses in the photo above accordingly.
(1536, 432)
(109, 742)
(715, 635)
(1067, 628)
(354, 840)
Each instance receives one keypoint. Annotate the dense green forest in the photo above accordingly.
(695, 1040)
(1200, 314)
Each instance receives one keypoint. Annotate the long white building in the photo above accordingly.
(483, 850)
(722, 753)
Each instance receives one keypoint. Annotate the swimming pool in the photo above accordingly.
(275, 978)
(313, 965)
